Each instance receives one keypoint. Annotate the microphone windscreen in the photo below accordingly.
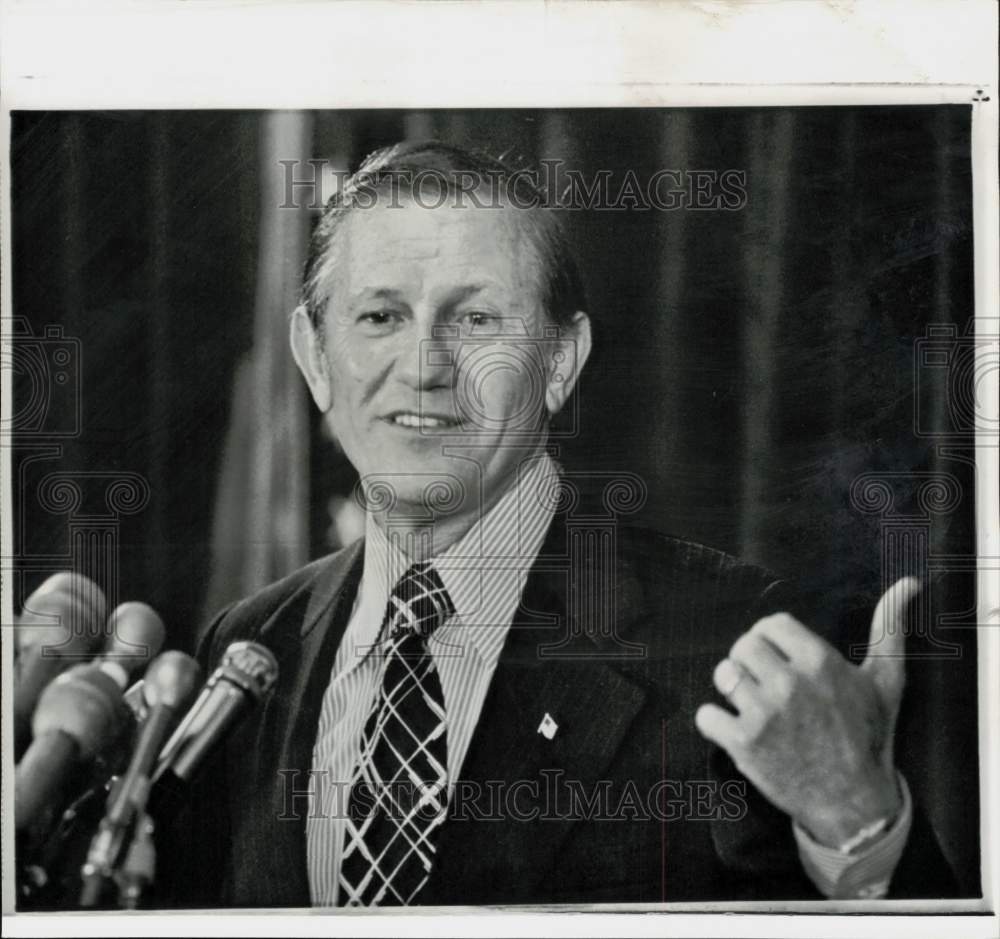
(66, 608)
(135, 635)
(61, 623)
(85, 705)
(249, 665)
(79, 715)
(171, 680)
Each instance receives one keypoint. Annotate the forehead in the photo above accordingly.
(412, 247)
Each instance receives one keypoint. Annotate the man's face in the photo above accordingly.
(440, 360)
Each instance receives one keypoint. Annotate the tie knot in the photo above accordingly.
(418, 604)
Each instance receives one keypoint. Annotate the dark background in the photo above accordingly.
(750, 365)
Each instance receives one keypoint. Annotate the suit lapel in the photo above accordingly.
(591, 702)
(304, 634)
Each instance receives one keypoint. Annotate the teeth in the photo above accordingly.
(412, 420)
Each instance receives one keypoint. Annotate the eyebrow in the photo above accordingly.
(379, 293)
(463, 293)
(391, 293)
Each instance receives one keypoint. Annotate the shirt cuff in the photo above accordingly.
(864, 875)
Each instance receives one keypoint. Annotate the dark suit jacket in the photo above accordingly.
(592, 819)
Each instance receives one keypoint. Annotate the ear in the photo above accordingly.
(307, 348)
(568, 356)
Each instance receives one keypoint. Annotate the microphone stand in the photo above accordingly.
(125, 833)
(65, 875)
(49, 875)
(139, 869)
(49, 860)
(169, 682)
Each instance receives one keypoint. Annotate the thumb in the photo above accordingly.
(887, 642)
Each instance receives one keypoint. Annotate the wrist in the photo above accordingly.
(855, 822)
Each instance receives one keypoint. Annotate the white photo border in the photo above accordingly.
(528, 53)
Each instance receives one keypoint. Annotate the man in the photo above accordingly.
(501, 695)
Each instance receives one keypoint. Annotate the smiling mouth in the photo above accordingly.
(422, 421)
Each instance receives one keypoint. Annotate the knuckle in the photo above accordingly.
(703, 720)
(741, 645)
(719, 673)
(778, 619)
(764, 622)
(783, 687)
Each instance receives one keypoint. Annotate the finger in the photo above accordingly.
(887, 641)
(719, 726)
(888, 631)
(765, 662)
(799, 644)
(736, 684)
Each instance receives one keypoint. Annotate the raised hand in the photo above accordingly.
(813, 732)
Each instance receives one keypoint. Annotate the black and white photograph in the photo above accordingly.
(563, 508)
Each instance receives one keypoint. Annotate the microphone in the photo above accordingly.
(60, 623)
(136, 638)
(135, 634)
(169, 682)
(37, 611)
(57, 762)
(79, 714)
(245, 674)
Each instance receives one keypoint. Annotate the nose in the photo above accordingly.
(427, 359)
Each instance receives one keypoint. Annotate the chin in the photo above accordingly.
(429, 479)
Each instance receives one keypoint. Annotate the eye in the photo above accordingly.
(378, 320)
(482, 322)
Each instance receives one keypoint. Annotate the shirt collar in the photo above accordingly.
(505, 542)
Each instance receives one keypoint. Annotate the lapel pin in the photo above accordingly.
(548, 727)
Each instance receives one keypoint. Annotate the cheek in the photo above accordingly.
(348, 385)
(509, 384)
(346, 362)
(355, 365)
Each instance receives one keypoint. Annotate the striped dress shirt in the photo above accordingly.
(485, 572)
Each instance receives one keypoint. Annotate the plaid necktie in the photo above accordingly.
(399, 789)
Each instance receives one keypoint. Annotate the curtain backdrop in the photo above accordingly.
(260, 527)
(762, 368)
